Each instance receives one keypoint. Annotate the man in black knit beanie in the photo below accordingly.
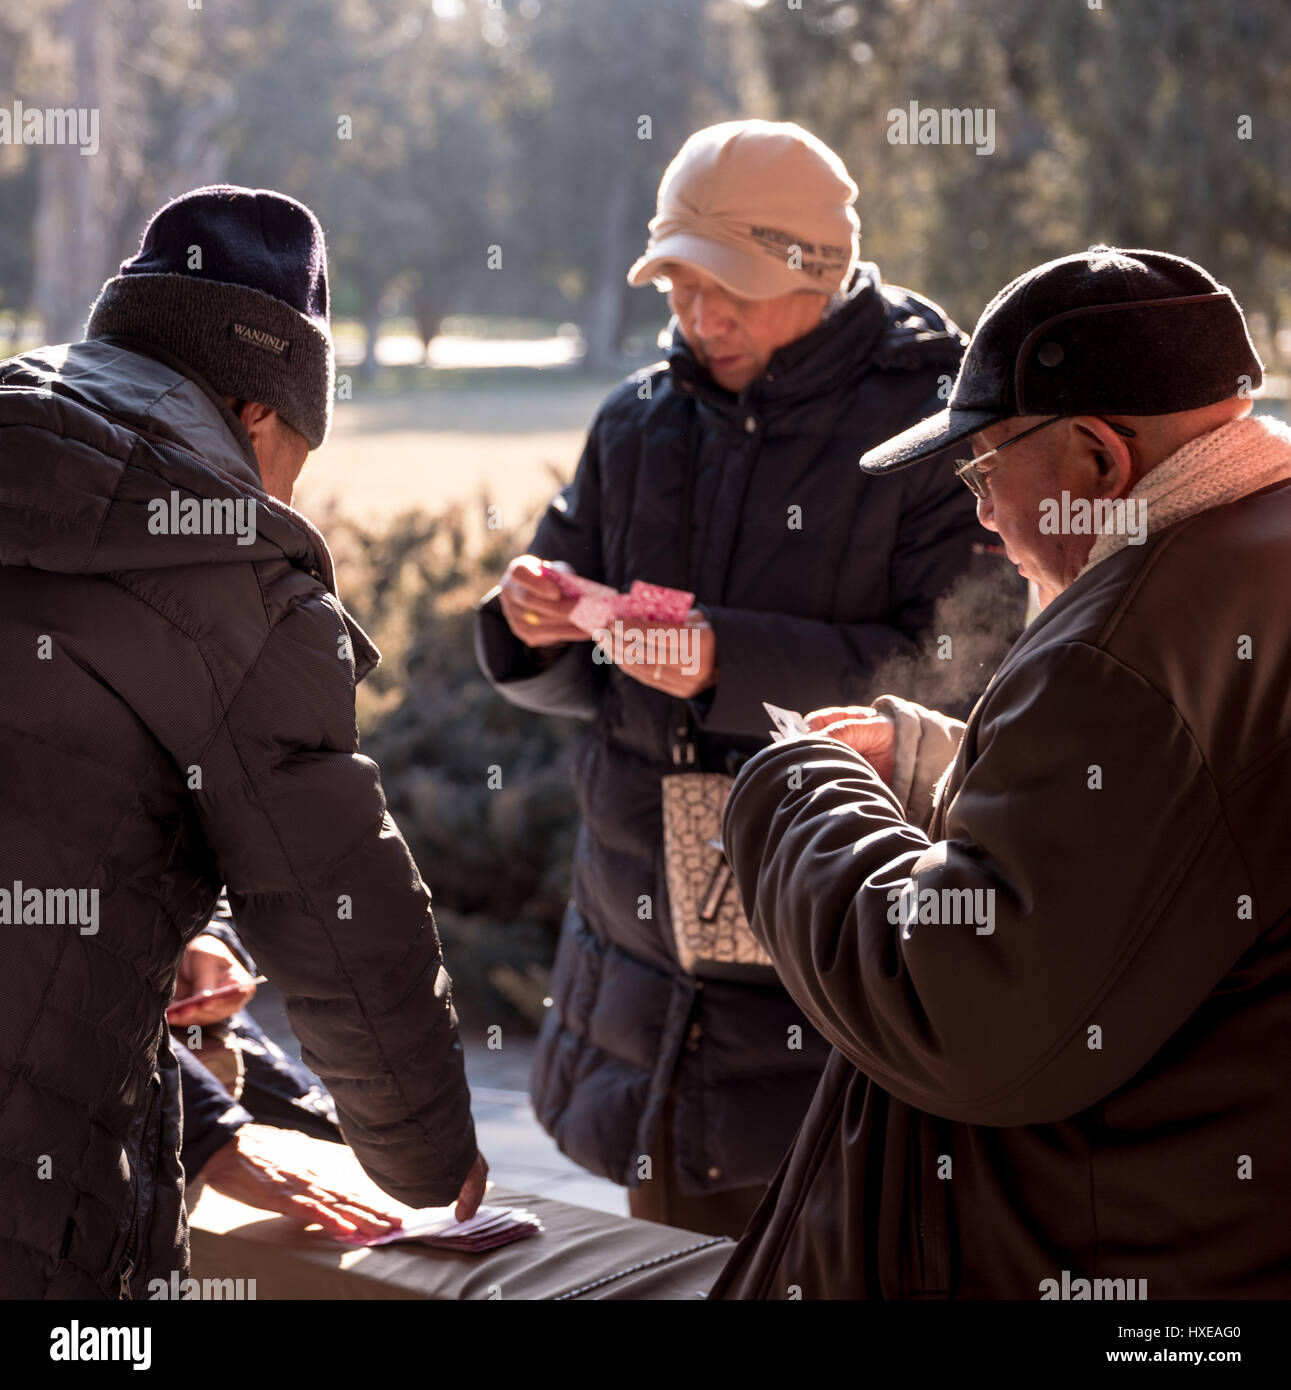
(178, 716)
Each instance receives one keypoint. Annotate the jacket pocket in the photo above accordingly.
(794, 1224)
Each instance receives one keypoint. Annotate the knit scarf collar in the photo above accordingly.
(1229, 463)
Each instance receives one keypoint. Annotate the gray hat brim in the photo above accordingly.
(747, 273)
(928, 437)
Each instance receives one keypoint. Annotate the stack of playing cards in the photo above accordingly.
(599, 605)
(788, 722)
(437, 1227)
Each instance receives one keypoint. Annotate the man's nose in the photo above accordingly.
(711, 313)
(986, 512)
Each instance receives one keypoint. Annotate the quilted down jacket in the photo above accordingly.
(177, 713)
(804, 616)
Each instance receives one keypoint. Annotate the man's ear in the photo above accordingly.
(1110, 453)
(253, 413)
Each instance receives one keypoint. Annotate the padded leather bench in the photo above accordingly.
(581, 1254)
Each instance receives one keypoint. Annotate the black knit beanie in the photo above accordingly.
(233, 282)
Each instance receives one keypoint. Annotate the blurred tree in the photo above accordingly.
(68, 55)
(1121, 124)
(614, 92)
(467, 156)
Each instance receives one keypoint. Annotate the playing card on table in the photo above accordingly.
(439, 1228)
(788, 722)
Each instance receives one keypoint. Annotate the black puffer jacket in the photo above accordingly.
(130, 660)
(803, 617)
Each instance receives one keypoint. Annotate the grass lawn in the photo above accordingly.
(509, 437)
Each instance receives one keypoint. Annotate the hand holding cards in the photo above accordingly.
(860, 727)
(653, 634)
(599, 605)
(788, 723)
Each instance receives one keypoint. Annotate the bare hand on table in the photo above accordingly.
(251, 1170)
(246, 1170)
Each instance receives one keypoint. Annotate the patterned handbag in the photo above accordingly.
(709, 926)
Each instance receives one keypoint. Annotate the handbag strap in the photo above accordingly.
(683, 745)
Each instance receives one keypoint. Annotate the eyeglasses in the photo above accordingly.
(970, 473)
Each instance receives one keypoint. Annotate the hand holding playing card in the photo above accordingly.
(537, 610)
(680, 658)
(871, 734)
(652, 633)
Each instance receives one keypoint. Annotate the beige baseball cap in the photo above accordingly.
(762, 206)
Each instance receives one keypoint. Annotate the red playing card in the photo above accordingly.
(657, 603)
(598, 604)
(488, 1228)
(595, 613)
(574, 585)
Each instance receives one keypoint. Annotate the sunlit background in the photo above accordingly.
(485, 171)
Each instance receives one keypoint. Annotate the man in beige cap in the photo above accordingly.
(727, 471)
(756, 212)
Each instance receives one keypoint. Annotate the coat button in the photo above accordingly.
(693, 1037)
(714, 1171)
(750, 425)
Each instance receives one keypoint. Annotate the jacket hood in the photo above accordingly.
(94, 436)
(113, 456)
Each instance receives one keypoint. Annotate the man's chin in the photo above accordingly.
(732, 379)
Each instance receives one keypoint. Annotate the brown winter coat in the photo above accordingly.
(1099, 1084)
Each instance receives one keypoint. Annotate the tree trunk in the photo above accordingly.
(372, 324)
(605, 314)
(79, 198)
(427, 308)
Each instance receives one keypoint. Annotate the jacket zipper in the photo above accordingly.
(929, 1227)
(919, 1203)
(127, 1266)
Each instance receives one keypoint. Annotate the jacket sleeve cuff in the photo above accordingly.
(549, 680)
(211, 1116)
(925, 744)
